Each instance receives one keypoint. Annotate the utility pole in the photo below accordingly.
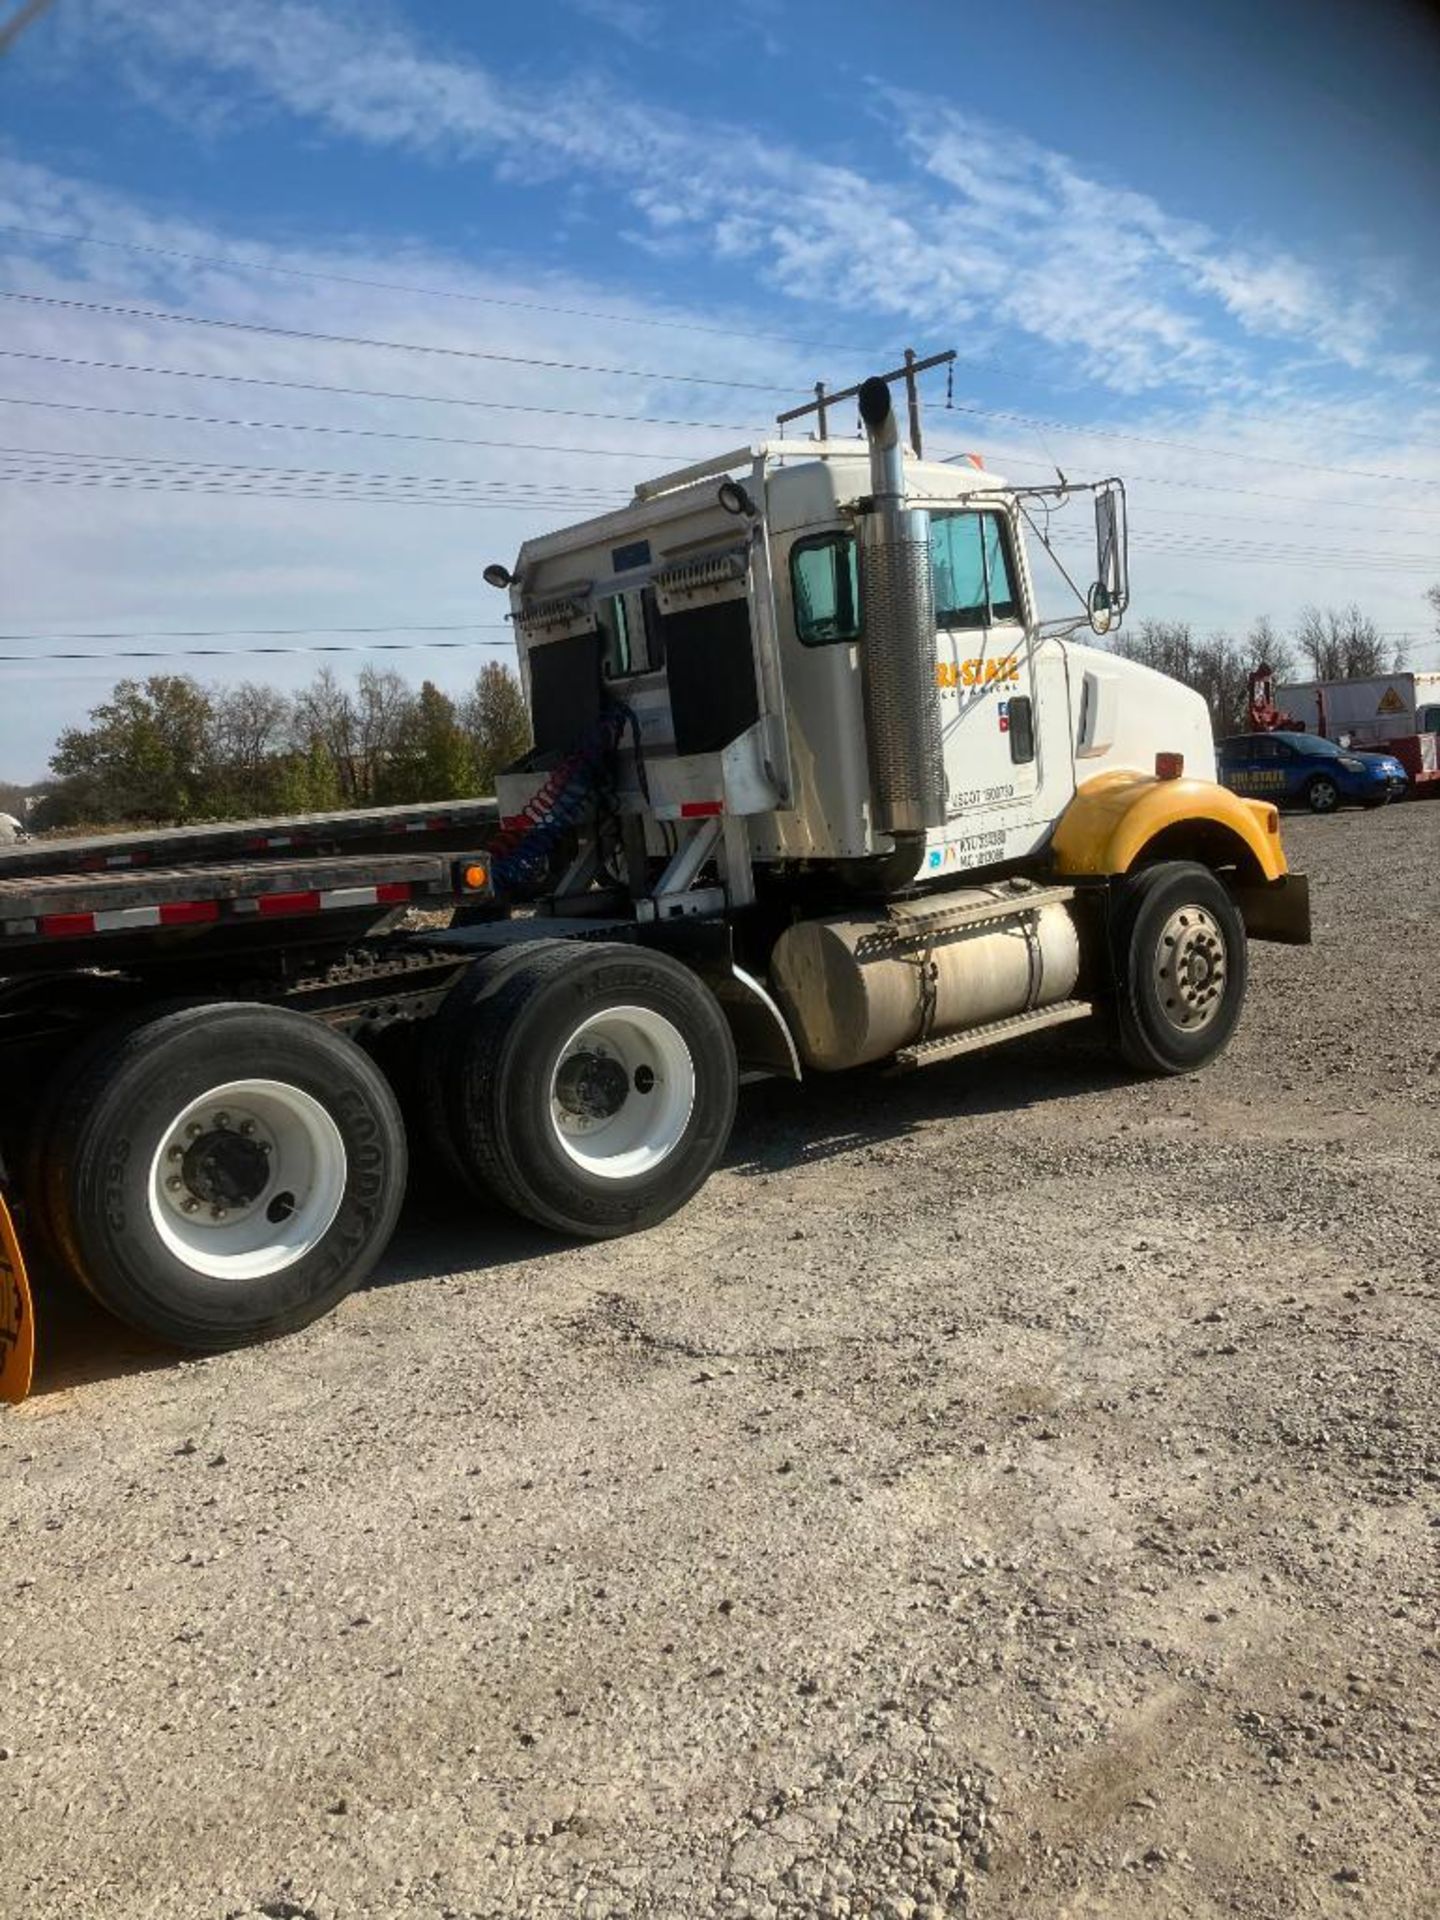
(823, 401)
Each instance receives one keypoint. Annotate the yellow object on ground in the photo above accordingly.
(1115, 817)
(17, 1317)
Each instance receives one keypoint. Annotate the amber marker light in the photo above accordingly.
(475, 876)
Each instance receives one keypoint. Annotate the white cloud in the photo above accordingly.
(989, 230)
(639, 20)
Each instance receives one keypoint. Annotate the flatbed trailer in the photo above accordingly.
(446, 826)
(813, 788)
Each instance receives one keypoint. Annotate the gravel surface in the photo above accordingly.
(1010, 1492)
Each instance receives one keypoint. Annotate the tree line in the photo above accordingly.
(168, 751)
(1330, 643)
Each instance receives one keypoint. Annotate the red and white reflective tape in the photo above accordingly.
(689, 810)
(390, 893)
(173, 913)
(196, 913)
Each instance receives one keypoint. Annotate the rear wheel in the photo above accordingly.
(1322, 795)
(1181, 967)
(223, 1173)
(591, 1088)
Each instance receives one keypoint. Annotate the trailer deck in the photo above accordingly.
(453, 826)
(42, 908)
(75, 901)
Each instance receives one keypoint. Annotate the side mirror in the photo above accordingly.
(1110, 595)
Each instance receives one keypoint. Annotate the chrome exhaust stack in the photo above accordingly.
(897, 649)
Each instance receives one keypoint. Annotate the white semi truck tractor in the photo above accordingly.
(813, 788)
(846, 800)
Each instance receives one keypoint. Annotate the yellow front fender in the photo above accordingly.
(17, 1317)
(1116, 817)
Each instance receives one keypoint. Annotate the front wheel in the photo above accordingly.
(1322, 795)
(591, 1088)
(1181, 966)
(223, 1173)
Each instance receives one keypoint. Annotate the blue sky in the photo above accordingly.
(1202, 253)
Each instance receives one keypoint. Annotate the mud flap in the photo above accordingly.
(17, 1318)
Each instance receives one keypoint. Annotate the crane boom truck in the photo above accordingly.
(812, 788)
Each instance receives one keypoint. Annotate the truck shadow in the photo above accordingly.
(785, 1124)
(779, 1125)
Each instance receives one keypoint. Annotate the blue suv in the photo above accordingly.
(1303, 769)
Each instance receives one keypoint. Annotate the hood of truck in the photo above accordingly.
(1124, 714)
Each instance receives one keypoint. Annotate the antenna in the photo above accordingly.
(823, 401)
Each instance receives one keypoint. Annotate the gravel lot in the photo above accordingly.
(1010, 1492)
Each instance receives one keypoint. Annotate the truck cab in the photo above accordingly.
(728, 618)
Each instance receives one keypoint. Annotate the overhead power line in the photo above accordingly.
(1157, 543)
(120, 311)
(1092, 432)
(1005, 459)
(112, 483)
(24, 15)
(634, 373)
(371, 393)
(236, 264)
(167, 467)
(351, 483)
(245, 653)
(739, 427)
(670, 454)
(262, 633)
(365, 433)
(240, 264)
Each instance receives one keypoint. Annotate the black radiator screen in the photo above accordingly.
(564, 691)
(711, 669)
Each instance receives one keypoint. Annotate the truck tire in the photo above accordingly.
(223, 1173)
(590, 1088)
(1322, 795)
(1181, 967)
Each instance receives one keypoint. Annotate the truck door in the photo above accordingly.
(986, 677)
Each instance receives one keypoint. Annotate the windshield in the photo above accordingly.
(970, 559)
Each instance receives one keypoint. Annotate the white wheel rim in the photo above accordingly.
(622, 1092)
(247, 1179)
